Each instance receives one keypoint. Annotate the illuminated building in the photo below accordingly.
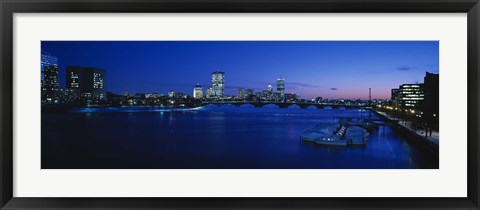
(49, 77)
(269, 88)
(281, 88)
(198, 92)
(90, 81)
(411, 96)
(249, 92)
(240, 93)
(265, 95)
(269, 93)
(291, 97)
(395, 97)
(180, 95)
(47, 60)
(171, 94)
(50, 84)
(69, 95)
(209, 93)
(218, 84)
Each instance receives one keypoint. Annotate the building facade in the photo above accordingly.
(281, 89)
(431, 103)
(47, 60)
(411, 96)
(394, 97)
(49, 78)
(89, 81)
(218, 84)
(198, 92)
(209, 93)
(171, 94)
(50, 86)
(241, 93)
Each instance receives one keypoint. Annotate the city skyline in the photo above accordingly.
(158, 67)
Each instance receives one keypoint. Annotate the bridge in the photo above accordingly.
(302, 105)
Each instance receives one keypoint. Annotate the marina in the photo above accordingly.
(347, 131)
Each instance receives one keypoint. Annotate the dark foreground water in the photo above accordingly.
(213, 137)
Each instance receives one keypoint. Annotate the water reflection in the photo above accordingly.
(214, 137)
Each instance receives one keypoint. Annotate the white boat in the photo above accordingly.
(326, 134)
(356, 135)
(335, 134)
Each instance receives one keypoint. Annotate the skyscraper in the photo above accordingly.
(269, 88)
(209, 93)
(394, 97)
(431, 104)
(281, 88)
(171, 94)
(269, 93)
(249, 92)
(90, 81)
(48, 60)
(50, 84)
(198, 92)
(240, 93)
(49, 77)
(218, 84)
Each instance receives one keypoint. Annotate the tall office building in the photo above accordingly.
(269, 92)
(281, 88)
(431, 103)
(411, 96)
(218, 84)
(47, 60)
(171, 94)
(49, 77)
(50, 84)
(209, 93)
(240, 93)
(90, 81)
(198, 92)
(394, 97)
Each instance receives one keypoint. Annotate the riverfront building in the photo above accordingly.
(50, 85)
(89, 81)
(48, 60)
(198, 92)
(241, 93)
(281, 88)
(69, 95)
(218, 84)
(49, 78)
(411, 96)
(394, 97)
(209, 93)
(431, 103)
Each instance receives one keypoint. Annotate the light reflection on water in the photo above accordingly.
(212, 137)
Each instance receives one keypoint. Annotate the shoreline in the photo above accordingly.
(411, 135)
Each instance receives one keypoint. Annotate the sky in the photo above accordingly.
(327, 69)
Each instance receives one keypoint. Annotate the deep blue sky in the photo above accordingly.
(330, 69)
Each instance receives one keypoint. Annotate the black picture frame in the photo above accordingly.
(9, 7)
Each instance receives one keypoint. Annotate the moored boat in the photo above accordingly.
(336, 134)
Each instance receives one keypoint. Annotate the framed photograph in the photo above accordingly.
(239, 105)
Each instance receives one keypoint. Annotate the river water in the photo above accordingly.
(214, 137)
